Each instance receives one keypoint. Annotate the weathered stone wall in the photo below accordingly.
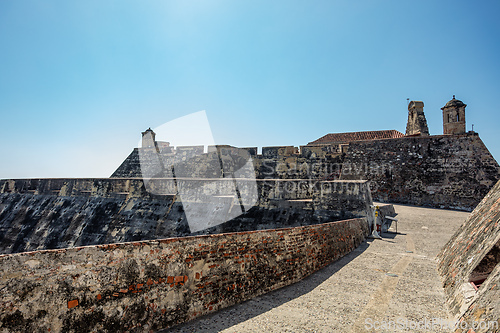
(130, 167)
(313, 162)
(151, 285)
(417, 124)
(59, 213)
(38, 214)
(460, 257)
(443, 171)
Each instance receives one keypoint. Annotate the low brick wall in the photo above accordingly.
(151, 285)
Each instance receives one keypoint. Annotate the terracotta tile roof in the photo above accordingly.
(357, 136)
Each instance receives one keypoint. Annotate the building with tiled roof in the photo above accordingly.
(344, 138)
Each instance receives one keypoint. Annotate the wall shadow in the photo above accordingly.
(238, 313)
(391, 235)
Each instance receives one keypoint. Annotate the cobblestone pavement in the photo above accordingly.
(394, 279)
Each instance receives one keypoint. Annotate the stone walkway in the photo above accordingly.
(394, 279)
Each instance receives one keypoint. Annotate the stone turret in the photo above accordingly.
(417, 124)
(454, 117)
(148, 139)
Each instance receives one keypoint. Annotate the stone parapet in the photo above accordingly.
(474, 252)
(151, 285)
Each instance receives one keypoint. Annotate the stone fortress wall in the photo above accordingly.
(155, 282)
(37, 214)
(283, 162)
(150, 285)
(469, 265)
(453, 171)
(442, 171)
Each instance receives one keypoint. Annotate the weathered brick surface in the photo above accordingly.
(145, 286)
(462, 254)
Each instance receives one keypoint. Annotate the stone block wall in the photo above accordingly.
(273, 152)
(444, 171)
(147, 286)
(37, 214)
(319, 151)
(345, 199)
(130, 168)
(313, 162)
(458, 260)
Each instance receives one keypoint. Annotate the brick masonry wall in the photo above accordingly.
(462, 254)
(151, 285)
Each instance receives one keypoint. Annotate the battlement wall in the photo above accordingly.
(153, 285)
(442, 171)
(38, 214)
(283, 162)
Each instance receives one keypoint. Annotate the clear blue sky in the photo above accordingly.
(79, 80)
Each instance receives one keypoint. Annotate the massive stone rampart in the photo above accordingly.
(146, 286)
(442, 171)
(473, 255)
(445, 171)
(38, 214)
